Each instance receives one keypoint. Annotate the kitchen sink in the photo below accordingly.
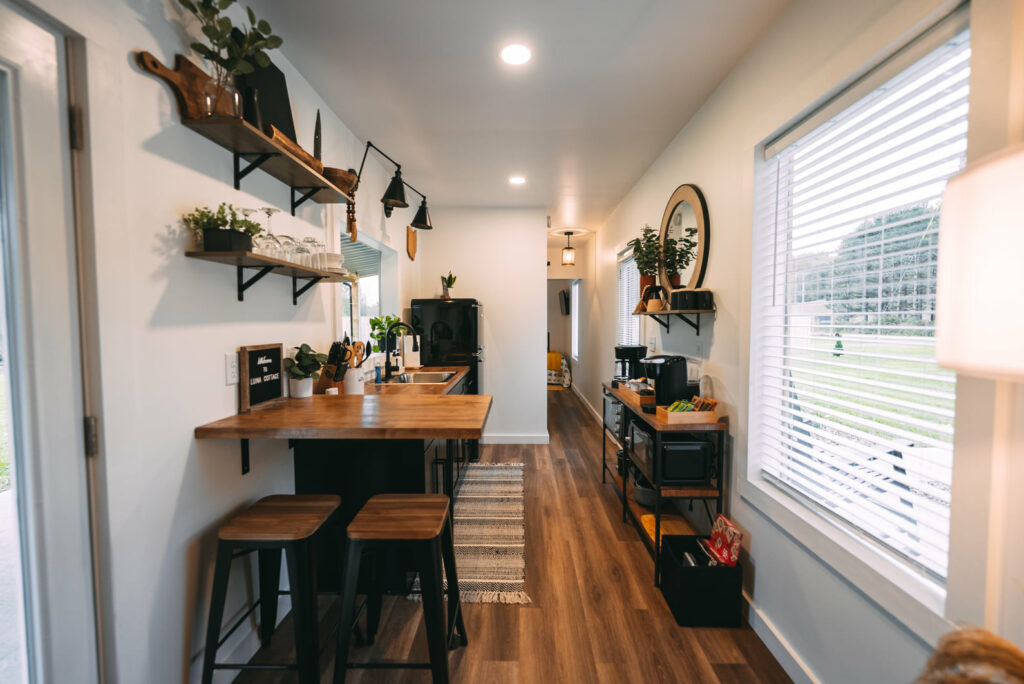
(423, 378)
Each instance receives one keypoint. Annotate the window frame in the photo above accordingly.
(916, 601)
(574, 321)
(622, 258)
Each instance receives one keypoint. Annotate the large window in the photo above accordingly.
(627, 326)
(850, 413)
(574, 309)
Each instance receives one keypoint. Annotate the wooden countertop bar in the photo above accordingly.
(660, 425)
(388, 416)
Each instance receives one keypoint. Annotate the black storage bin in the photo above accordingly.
(702, 595)
(224, 240)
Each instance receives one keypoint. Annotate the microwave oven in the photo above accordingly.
(679, 463)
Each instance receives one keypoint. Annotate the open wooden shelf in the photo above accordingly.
(636, 511)
(253, 149)
(265, 265)
(664, 317)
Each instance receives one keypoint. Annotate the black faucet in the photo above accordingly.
(387, 345)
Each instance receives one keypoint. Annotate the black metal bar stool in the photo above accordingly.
(285, 522)
(420, 522)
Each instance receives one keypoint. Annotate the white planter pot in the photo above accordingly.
(300, 388)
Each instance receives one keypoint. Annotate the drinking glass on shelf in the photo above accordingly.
(287, 248)
(267, 245)
(313, 245)
(302, 256)
(269, 211)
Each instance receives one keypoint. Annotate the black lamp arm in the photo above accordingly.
(414, 189)
(359, 176)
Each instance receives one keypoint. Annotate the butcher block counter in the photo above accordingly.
(397, 438)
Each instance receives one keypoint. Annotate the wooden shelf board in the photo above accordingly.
(238, 135)
(636, 511)
(660, 425)
(705, 492)
(281, 267)
(667, 312)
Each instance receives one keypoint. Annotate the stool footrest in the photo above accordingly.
(389, 665)
(251, 666)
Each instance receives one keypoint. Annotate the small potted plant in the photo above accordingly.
(448, 283)
(230, 50)
(222, 230)
(647, 254)
(378, 326)
(678, 254)
(303, 370)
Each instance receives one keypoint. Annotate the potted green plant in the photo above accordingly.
(222, 230)
(302, 370)
(229, 49)
(647, 254)
(678, 254)
(378, 326)
(448, 283)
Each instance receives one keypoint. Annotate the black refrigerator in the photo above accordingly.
(449, 331)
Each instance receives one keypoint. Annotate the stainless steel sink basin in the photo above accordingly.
(423, 378)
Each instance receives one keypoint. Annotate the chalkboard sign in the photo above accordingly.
(260, 375)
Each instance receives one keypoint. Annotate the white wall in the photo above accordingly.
(165, 323)
(817, 622)
(559, 328)
(498, 257)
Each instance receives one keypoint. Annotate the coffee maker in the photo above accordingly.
(627, 358)
(668, 376)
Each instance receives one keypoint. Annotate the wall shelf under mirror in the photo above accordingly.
(689, 316)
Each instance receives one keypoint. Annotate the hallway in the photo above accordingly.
(584, 567)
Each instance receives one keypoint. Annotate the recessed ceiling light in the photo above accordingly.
(516, 180)
(516, 54)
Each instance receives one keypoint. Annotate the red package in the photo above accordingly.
(725, 540)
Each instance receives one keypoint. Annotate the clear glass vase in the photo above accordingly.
(221, 97)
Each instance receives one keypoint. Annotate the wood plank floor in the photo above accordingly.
(595, 615)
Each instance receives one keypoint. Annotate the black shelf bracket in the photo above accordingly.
(663, 323)
(244, 284)
(306, 194)
(245, 456)
(693, 324)
(254, 164)
(299, 291)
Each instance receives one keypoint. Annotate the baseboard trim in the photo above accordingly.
(542, 438)
(597, 415)
(787, 656)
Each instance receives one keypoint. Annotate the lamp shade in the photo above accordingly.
(421, 221)
(979, 327)
(394, 196)
(568, 252)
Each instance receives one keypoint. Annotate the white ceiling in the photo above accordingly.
(610, 84)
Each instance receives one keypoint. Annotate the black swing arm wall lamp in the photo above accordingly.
(394, 196)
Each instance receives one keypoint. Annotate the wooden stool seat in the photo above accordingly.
(281, 518)
(400, 517)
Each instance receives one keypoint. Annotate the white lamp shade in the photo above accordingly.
(568, 256)
(979, 324)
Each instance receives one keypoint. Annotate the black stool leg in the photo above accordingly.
(217, 596)
(270, 585)
(304, 612)
(348, 610)
(454, 598)
(375, 598)
(433, 610)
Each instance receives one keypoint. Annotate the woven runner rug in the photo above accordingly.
(490, 534)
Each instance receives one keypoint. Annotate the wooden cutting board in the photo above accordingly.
(290, 145)
(187, 81)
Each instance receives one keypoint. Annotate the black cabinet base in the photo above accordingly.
(702, 595)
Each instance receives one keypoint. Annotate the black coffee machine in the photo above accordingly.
(627, 358)
(667, 374)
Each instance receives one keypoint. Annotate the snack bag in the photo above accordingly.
(725, 540)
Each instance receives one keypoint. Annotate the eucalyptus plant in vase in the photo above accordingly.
(646, 254)
(230, 51)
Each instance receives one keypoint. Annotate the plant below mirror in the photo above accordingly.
(646, 251)
(225, 217)
(228, 53)
(306, 364)
(678, 254)
(378, 326)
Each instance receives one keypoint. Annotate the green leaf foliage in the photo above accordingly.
(228, 52)
(306, 363)
(225, 217)
(646, 251)
(378, 326)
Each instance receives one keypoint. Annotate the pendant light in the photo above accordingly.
(568, 252)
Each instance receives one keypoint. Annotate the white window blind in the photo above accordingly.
(850, 413)
(627, 326)
(574, 309)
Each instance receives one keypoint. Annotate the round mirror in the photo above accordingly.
(685, 237)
